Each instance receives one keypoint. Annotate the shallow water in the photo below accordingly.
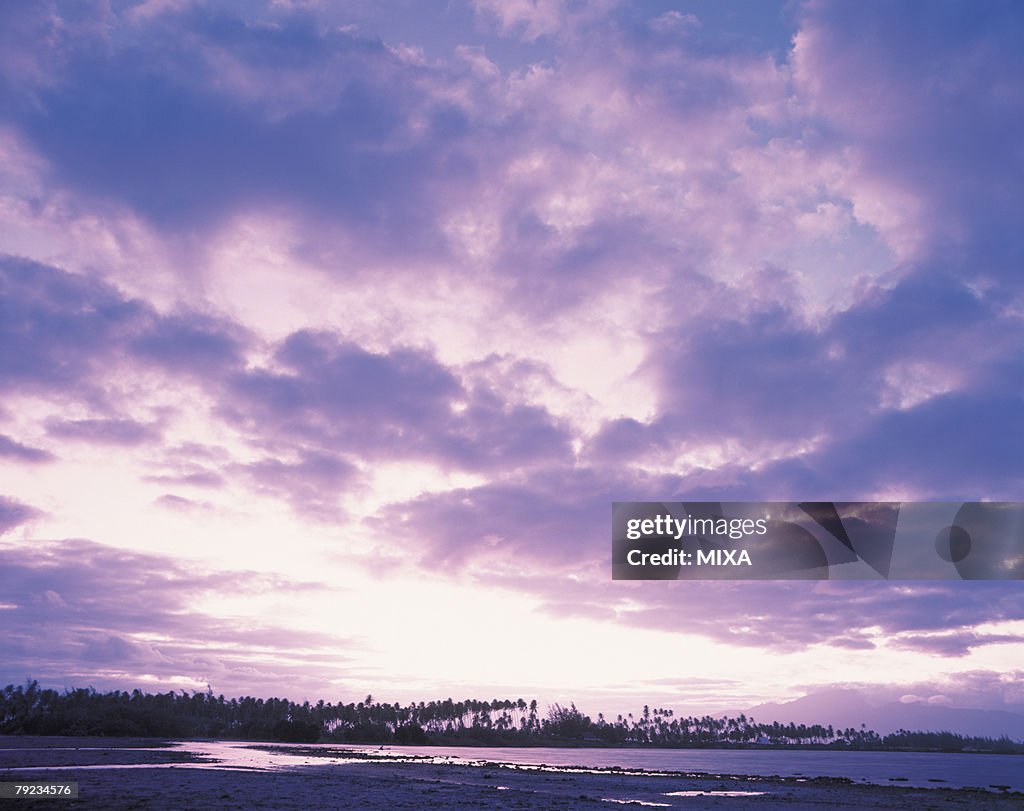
(923, 769)
(919, 769)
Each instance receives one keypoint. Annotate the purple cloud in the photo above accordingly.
(797, 232)
(865, 394)
(952, 644)
(403, 404)
(14, 513)
(196, 477)
(57, 325)
(60, 330)
(788, 616)
(559, 518)
(914, 90)
(190, 343)
(104, 431)
(530, 537)
(313, 485)
(202, 113)
(85, 599)
(178, 503)
(324, 393)
(12, 449)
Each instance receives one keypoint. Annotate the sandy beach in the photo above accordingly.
(136, 774)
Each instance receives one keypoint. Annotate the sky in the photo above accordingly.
(329, 332)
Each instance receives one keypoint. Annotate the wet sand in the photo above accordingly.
(158, 776)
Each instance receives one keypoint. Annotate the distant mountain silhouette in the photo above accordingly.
(844, 708)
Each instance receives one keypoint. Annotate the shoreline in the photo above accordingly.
(562, 744)
(147, 773)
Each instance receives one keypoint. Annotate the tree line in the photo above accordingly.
(32, 710)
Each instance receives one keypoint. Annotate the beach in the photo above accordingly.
(140, 774)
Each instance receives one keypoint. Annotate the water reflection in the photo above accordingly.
(715, 793)
(924, 770)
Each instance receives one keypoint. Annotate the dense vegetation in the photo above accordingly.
(31, 710)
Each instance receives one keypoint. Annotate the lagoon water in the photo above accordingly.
(919, 768)
(924, 769)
